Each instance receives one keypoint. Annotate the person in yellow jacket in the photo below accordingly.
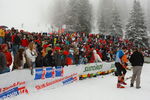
(2, 35)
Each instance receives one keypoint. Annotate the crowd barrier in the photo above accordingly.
(147, 59)
(22, 82)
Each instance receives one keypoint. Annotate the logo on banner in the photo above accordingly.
(10, 93)
(43, 73)
(112, 65)
(93, 68)
(70, 80)
(13, 90)
(59, 71)
(67, 79)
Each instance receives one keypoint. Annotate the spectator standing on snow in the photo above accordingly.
(121, 71)
(137, 60)
(31, 55)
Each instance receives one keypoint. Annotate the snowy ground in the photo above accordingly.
(100, 88)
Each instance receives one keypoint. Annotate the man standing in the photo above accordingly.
(137, 60)
(120, 70)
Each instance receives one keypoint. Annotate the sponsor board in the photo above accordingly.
(13, 90)
(96, 67)
(47, 84)
(10, 93)
(49, 72)
(70, 80)
(93, 68)
(46, 78)
(12, 86)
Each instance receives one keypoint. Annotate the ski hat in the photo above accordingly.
(3, 46)
(57, 48)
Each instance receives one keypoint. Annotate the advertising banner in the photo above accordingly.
(21, 81)
(96, 67)
(13, 90)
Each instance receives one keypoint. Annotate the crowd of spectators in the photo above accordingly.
(29, 50)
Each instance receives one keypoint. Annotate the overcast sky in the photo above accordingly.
(17, 12)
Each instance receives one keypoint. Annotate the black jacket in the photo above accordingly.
(137, 59)
(2, 61)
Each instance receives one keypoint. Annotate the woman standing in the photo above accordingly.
(31, 55)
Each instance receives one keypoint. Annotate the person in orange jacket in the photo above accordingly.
(124, 60)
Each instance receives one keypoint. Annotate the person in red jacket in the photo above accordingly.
(7, 54)
(24, 42)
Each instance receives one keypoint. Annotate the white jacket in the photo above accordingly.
(96, 56)
(31, 55)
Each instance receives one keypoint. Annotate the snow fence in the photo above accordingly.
(22, 82)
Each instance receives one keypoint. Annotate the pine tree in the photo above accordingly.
(136, 29)
(116, 27)
(59, 13)
(102, 25)
(148, 15)
(105, 12)
(79, 15)
(123, 10)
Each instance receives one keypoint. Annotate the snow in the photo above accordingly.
(99, 88)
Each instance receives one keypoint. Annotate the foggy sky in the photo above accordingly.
(31, 12)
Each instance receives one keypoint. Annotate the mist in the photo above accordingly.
(32, 14)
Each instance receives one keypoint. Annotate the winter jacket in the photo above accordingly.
(2, 61)
(69, 61)
(31, 55)
(39, 60)
(24, 42)
(137, 59)
(49, 59)
(119, 54)
(124, 58)
(17, 40)
(2, 33)
(58, 60)
(8, 58)
(3, 68)
(8, 37)
(104, 55)
(96, 57)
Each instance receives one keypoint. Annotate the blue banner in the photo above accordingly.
(59, 71)
(49, 72)
(10, 93)
(38, 74)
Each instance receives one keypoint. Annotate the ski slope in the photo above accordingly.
(99, 88)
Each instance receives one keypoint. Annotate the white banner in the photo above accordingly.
(96, 67)
(22, 82)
